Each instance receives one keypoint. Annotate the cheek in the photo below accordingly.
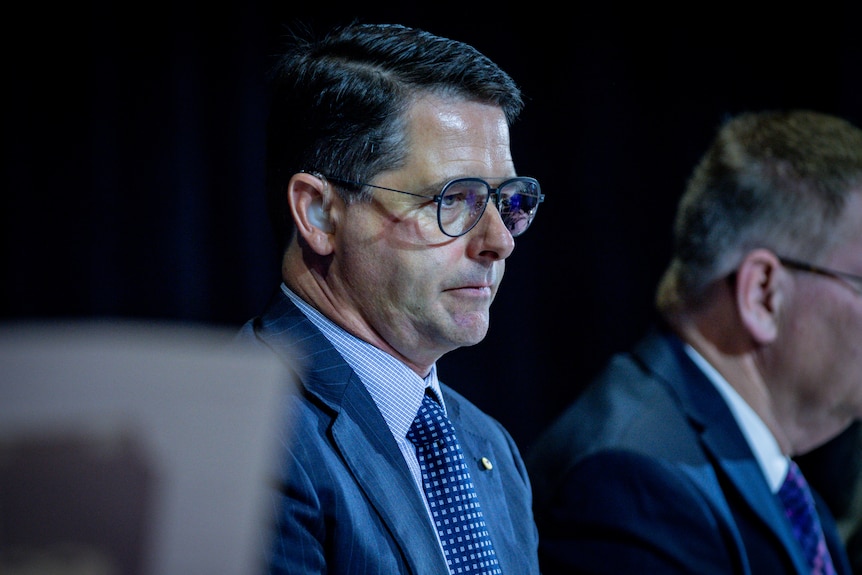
(387, 273)
(844, 315)
(837, 347)
(808, 337)
(848, 324)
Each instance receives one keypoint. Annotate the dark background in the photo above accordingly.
(132, 160)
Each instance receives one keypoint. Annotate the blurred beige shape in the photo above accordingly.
(132, 448)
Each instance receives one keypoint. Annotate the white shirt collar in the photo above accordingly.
(764, 445)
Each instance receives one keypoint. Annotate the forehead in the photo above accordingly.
(450, 137)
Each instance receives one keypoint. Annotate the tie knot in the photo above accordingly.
(430, 424)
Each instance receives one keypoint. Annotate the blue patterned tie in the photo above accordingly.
(799, 508)
(450, 492)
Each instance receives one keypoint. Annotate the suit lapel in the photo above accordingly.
(721, 437)
(746, 477)
(359, 431)
(378, 466)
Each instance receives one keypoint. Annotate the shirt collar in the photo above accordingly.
(395, 388)
(764, 445)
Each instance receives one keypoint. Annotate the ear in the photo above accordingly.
(309, 200)
(760, 294)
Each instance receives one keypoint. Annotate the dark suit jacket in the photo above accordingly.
(648, 473)
(347, 503)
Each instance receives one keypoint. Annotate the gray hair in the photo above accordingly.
(777, 180)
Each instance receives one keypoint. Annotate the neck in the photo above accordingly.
(314, 287)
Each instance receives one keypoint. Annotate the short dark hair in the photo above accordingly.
(337, 104)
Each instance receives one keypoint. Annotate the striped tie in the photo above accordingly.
(799, 509)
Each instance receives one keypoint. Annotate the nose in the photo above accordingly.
(490, 238)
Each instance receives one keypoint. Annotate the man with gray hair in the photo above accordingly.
(679, 456)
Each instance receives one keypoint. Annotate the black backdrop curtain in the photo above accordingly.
(133, 160)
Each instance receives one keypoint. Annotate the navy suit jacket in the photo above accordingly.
(648, 472)
(346, 501)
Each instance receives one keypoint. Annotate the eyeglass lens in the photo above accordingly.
(464, 202)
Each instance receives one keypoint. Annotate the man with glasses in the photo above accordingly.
(679, 456)
(393, 189)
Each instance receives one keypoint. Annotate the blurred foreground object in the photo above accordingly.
(135, 448)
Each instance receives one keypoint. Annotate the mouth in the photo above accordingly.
(481, 290)
(483, 283)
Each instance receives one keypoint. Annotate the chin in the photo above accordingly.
(466, 335)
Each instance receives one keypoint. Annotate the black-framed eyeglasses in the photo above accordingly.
(852, 281)
(461, 202)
